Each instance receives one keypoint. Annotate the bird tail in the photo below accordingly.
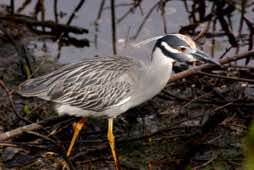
(33, 87)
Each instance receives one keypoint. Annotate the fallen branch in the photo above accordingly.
(7, 135)
(48, 24)
(33, 126)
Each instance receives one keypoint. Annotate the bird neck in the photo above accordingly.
(161, 66)
(160, 59)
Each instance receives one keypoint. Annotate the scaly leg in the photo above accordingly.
(111, 139)
(77, 129)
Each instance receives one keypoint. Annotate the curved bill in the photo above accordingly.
(201, 56)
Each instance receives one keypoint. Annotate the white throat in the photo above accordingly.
(161, 65)
(157, 74)
(160, 58)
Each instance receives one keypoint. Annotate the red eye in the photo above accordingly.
(182, 49)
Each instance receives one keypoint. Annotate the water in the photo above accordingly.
(175, 14)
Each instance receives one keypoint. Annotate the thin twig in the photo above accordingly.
(226, 77)
(2, 84)
(145, 19)
(12, 7)
(113, 26)
(207, 163)
(74, 13)
(100, 11)
(131, 9)
(56, 11)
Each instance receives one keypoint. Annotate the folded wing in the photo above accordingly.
(93, 84)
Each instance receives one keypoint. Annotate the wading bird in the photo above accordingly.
(109, 86)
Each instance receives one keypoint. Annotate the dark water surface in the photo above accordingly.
(176, 16)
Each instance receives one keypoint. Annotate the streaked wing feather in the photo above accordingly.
(96, 98)
(93, 84)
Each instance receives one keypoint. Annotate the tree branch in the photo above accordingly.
(197, 69)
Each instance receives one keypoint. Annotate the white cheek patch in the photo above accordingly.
(190, 58)
(169, 48)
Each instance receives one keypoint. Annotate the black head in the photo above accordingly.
(181, 48)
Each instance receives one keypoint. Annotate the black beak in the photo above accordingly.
(201, 56)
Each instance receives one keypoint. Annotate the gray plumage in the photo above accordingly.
(94, 84)
(108, 86)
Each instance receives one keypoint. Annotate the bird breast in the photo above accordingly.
(153, 81)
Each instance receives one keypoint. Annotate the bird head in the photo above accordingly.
(181, 48)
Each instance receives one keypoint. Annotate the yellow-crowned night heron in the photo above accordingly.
(109, 86)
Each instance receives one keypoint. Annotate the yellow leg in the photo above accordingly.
(77, 129)
(194, 64)
(111, 139)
